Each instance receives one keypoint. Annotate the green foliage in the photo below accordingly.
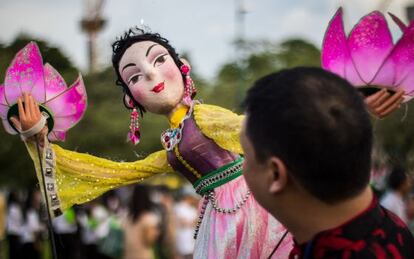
(395, 136)
(297, 52)
(260, 58)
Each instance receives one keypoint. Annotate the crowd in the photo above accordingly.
(140, 221)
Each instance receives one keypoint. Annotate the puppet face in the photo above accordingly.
(152, 76)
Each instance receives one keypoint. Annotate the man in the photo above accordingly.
(394, 199)
(307, 139)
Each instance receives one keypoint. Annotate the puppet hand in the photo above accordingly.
(383, 103)
(29, 115)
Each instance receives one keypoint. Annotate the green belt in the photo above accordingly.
(219, 176)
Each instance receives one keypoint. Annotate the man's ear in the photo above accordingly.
(279, 177)
(185, 61)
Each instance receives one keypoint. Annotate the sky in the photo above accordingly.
(203, 29)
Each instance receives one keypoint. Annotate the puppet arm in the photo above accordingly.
(75, 178)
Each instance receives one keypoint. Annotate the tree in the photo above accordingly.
(395, 135)
(260, 58)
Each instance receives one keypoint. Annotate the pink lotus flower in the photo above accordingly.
(368, 57)
(65, 105)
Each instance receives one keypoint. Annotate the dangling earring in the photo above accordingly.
(189, 88)
(134, 134)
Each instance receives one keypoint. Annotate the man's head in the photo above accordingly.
(399, 181)
(306, 128)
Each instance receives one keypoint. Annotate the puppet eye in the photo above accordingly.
(135, 78)
(160, 60)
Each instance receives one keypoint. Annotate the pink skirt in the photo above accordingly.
(251, 232)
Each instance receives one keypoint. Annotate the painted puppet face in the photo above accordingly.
(152, 76)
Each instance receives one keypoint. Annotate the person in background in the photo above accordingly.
(164, 200)
(410, 211)
(141, 226)
(394, 199)
(67, 239)
(186, 219)
(109, 230)
(32, 226)
(88, 224)
(2, 222)
(14, 225)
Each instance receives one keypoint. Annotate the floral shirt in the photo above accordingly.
(375, 233)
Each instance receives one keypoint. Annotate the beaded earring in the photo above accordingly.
(134, 134)
(189, 88)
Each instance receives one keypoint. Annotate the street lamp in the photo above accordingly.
(92, 23)
(241, 11)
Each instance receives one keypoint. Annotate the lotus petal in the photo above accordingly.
(400, 62)
(369, 43)
(25, 74)
(398, 21)
(408, 86)
(69, 106)
(3, 104)
(63, 123)
(57, 136)
(54, 82)
(335, 54)
(335, 46)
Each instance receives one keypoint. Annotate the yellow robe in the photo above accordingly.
(80, 178)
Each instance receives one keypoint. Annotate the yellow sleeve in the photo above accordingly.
(75, 178)
(221, 125)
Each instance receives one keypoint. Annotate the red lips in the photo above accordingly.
(158, 88)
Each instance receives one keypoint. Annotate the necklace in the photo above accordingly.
(211, 196)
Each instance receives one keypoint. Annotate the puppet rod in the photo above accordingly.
(49, 219)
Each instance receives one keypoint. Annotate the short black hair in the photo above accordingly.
(130, 37)
(140, 202)
(396, 178)
(317, 123)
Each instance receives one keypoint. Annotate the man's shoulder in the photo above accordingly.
(391, 239)
(378, 245)
(378, 234)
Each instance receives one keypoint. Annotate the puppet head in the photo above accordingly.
(151, 74)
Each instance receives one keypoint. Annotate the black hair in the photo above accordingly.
(140, 202)
(317, 124)
(13, 197)
(29, 203)
(397, 178)
(130, 37)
